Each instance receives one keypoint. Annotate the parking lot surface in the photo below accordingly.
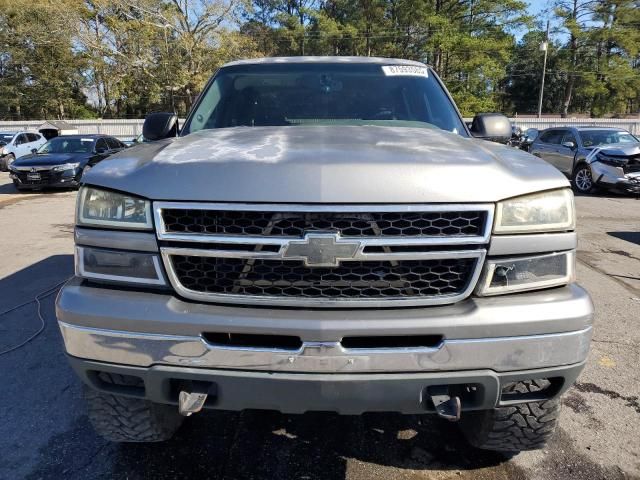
(44, 431)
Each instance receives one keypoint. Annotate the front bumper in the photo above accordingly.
(486, 343)
(48, 179)
(347, 394)
(512, 332)
(614, 177)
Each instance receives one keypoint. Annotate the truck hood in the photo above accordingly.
(325, 164)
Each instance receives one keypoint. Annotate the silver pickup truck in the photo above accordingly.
(326, 234)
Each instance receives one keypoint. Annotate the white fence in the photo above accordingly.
(632, 125)
(127, 129)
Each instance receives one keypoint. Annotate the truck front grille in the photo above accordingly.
(370, 279)
(349, 224)
(317, 256)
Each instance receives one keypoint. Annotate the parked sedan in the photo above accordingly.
(592, 156)
(62, 161)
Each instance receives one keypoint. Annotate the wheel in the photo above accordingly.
(582, 179)
(125, 419)
(526, 426)
(8, 160)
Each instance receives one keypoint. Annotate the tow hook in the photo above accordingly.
(447, 407)
(191, 402)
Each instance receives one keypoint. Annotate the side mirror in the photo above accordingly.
(101, 150)
(570, 145)
(34, 150)
(160, 125)
(531, 134)
(494, 127)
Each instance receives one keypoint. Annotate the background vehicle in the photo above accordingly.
(16, 145)
(349, 189)
(529, 136)
(516, 137)
(62, 161)
(572, 151)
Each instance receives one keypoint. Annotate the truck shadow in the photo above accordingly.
(269, 445)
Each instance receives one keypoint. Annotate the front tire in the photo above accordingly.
(582, 179)
(124, 419)
(527, 426)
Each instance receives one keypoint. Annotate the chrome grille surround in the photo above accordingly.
(371, 248)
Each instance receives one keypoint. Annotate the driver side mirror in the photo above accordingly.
(34, 150)
(494, 127)
(570, 145)
(101, 150)
(160, 125)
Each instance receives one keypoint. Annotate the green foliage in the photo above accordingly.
(124, 58)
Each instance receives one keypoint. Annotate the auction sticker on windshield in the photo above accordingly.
(405, 70)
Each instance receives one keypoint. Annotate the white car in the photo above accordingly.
(17, 144)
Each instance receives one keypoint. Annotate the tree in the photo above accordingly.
(41, 74)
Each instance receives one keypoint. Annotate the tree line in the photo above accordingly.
(124, 58)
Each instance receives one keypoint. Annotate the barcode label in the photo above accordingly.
(405, 70)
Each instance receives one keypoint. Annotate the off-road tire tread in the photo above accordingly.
(125, 419)
(516, 428)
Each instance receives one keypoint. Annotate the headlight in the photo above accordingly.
(527, 273)
(550, 211)
(65, 166)
(118, 266)
(101, 208)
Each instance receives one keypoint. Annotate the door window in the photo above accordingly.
(553, 136)
(113, 143)
(101, 145)
(22, 138)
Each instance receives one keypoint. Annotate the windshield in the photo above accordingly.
(324, 94)
(67, 145)
(594, 138)
(5, 138)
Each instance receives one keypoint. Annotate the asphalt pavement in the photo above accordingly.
(44, 431)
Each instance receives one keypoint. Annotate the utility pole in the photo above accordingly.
(544, 46)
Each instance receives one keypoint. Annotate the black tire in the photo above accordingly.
(125, 419)
(527, 426)
(582, 179)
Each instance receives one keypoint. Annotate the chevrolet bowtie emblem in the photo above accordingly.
(322, 249)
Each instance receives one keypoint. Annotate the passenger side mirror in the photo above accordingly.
(34, 150)
(160, 125)
(494, 127)
(531, 134)
(570, 145)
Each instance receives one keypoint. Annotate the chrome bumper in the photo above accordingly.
(502, 354)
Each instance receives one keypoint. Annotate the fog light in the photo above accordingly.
(118, 266)
(527, 273)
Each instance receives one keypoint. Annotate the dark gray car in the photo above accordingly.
(592, 156)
